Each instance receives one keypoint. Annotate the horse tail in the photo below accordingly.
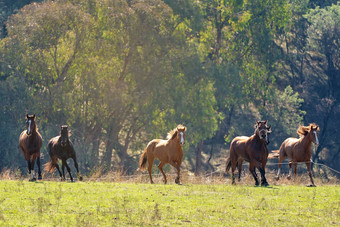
(274, 154)
(50, 166)
(228, 165)
(144, 157)
(142, 160)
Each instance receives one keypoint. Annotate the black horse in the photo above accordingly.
(60, 147)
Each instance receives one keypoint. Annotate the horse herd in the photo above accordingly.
(252, 149)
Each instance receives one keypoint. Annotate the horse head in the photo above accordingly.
(181, 134)
(30, 124)
(64, 135)
(314, 129)
(262, 130)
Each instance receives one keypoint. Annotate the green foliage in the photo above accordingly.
(121, 72)
(120, 204)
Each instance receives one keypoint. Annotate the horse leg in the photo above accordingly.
(281, 158)
(160, 167)
(29, 166)
(57, 166)
(239, 166)
(76, 166)
(253, 172)
(295, 170)
(39, 171)
(263, 174)
(177, 167)
(150, 163)
(233, 168)
(69, 171)
(308, 164)
(63, 168)
(32, 169)
(290, 170)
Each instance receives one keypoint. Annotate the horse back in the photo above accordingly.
(238, 147)
(287, 146)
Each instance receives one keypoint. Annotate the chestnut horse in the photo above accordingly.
(299, 150)
(30, 142)
(60, 147)
(251, 149)
(166, 151)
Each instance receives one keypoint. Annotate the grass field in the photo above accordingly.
(90, 203)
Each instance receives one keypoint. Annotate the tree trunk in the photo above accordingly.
(199, 158)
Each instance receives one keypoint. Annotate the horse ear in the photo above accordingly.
(269, 128)
(265, 122)
(33, 115)
(257, 122)
(26, 116)
(185, 128)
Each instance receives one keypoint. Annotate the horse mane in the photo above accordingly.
(304, 130)
(172, 134)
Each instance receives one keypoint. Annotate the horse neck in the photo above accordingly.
(306, 142)
(257, 140)
(175, 142)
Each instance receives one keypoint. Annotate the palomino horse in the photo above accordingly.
(166, 151)
(60, 147)
(299, 150)
(30, 142)
(251, 149)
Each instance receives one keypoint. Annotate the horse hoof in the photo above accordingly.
(265, 184)
(80, 178)
(289, 177)
(276, 177)
(33, 179)
(311, 185)
(177, 181)
(39, 177)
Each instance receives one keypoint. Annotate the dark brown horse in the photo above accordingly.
(251, 149)
(166, 151)
(30, 142)
(299, 150)
(240, 162)
(60, 147)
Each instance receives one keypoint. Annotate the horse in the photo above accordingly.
(166, 151)
(252, 149)
(60, 147)
(299, 150)
(30, 142)
(240, 162)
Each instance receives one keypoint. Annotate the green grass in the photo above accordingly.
(50, 203)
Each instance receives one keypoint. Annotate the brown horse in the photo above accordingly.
(251, 149)
(60, 147)
(30, 142)
(240, 162)
(166, 151)
(299, 150)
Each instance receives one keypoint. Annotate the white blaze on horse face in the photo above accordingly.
(29, 127)
(182, 139)
(316, 138)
